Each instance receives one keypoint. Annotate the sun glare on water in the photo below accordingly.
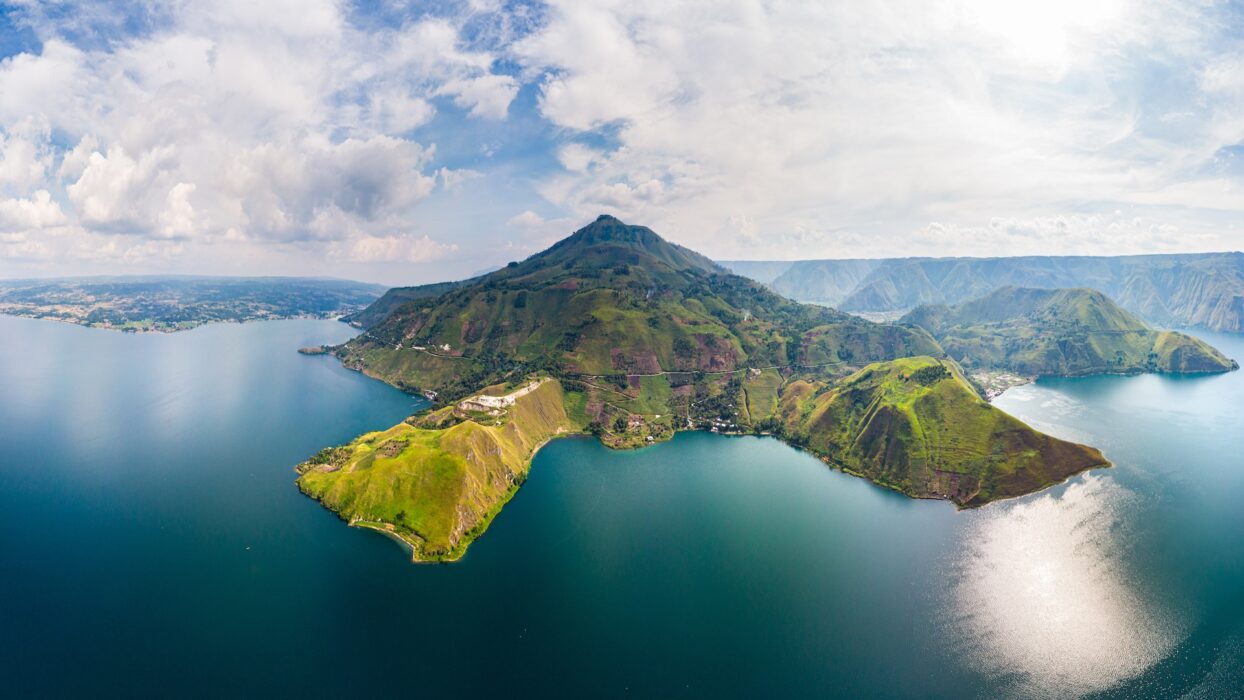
(1042, 599)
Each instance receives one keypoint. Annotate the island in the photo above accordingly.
(140, 304)
(616, 333)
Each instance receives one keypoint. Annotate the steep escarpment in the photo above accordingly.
(1060, 332)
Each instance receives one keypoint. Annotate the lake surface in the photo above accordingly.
(152, 541)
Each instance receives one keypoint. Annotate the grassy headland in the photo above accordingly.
(436, 481)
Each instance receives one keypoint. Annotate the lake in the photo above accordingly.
(152, 541)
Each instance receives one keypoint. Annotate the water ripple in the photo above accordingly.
(1041, 602)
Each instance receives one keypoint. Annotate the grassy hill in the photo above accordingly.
(632, 339)
(1060, 332)
(915, 425)
(437, 481)
(1202, 290)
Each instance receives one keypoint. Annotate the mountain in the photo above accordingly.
(618, 333)
(763, 271)
(611, 300)
(1060, 332)
(916, 426)
(380, 309)
(826, 282)
(1204, 290)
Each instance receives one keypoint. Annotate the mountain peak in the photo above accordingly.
(610, 236)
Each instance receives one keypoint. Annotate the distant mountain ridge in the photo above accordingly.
(1060, 332)
(1193, 290)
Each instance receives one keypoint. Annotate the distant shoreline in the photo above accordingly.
(183, 326)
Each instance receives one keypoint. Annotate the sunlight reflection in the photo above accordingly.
(1042, 597)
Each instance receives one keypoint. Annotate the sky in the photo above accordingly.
(413, 142)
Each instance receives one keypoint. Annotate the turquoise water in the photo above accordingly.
(152, 542)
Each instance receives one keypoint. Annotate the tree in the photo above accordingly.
(683, 349)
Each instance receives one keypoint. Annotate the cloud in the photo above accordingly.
(1224, 75)
(319, 190)
(265, 123)
(452, 180)
(576, 157)
(877, 119)
(1114, 233)
(304, 135)
(536, 232)
(485, 96)
(178, 218)
(391, 249)
(114, 188)
(527, 219)
(25, 154)
(37, 212)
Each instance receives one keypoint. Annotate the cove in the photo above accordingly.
(152, 541)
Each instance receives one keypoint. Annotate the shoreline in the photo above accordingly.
(168, 331)
(1001, 382)
(459, 551)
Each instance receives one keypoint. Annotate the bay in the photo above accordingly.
(152, 541)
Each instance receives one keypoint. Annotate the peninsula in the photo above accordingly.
(617, 333)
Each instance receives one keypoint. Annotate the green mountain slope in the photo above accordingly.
(916, 426)
(380, 309)
(1060, 332)
(612, 299)
(1203, 290)
(631, 339)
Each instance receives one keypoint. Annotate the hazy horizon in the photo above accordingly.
(477, 273)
